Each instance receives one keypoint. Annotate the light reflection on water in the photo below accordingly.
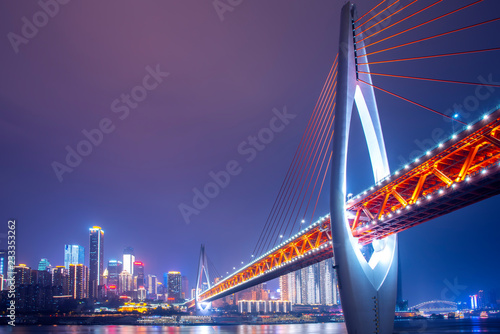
(333, 328)
(402, 327)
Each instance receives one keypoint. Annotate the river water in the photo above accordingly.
(402, 327)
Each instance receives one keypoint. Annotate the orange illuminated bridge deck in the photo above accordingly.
(461, 171)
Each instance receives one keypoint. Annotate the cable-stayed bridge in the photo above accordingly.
(461, 170)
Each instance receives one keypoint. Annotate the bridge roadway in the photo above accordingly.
(461, 171)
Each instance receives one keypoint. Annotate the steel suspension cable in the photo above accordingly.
(288, 190)
(430, 79)
(300, 171)
(404, 19)
(295, 155)
(314, 171)
(371, 10)
(322, 182)
(322, 139)
(330, 121)
(379, 22)
(431, 56)
(413, 102)
(426, 38)
(319, 173)
(299, 153)
(374, 16)
(276, 231)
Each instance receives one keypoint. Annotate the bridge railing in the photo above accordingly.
(464, 164)
(312, 242)
(461, 171)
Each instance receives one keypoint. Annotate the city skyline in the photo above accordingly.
(217, 84)
(302, 280)
(78, 251)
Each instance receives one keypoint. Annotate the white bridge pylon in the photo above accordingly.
(367, 288)
(202, 272)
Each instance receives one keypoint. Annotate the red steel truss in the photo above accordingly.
(461, 171)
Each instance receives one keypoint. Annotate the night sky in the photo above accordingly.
(226, 74)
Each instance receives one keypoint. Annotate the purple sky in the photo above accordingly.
(225, 77)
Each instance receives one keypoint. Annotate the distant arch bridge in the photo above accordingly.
(435, 306)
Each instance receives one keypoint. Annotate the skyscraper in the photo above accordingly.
(316, 284)
(22, 274)
(328, 283)
(73, 254)
(114, 269)
(174, 286)
(96, 259)
(139, 274)
(78, 281)
(185, 287)
(284, 280)
(152, 285)
(298, 287)
(3, 265)
(60, 281)
(313, 284)
(44, 265)
(128, 260)
(125, 282)
(292, 293)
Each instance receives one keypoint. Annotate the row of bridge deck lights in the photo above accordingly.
(309, 252)
(279, 246)
(365, 226)
(429, 197)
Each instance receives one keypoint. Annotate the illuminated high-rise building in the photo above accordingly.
(60, 281)
(139, 274)
(41, 277)
(481, 299)
(291, 292)
(44, 265)
(105, 277)
(3, 266)
(174, 286)
(22, 274)
(125, 280)
(328, 283)
(284, 286)
(96, 263)
(141, 293)
(114, 269)
(78, 285)
(152, 285)
(128, 260)
(185, 286)
(473, 302)
(73, 254)
(313, 284)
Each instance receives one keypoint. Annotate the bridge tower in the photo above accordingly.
(202, 272)
(367, 287)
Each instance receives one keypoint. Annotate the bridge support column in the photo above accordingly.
(202, 271)
(367, 288)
